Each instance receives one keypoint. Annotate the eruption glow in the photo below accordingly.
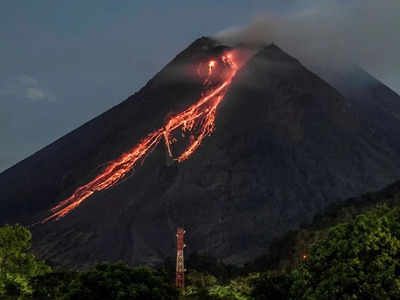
(197, 122)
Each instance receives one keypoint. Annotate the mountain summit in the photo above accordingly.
(286, 144)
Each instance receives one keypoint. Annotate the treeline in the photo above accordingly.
(350, 252)
(24, 277)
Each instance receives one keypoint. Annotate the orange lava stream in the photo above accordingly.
(198, 118)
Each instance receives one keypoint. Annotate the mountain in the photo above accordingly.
(378, 105)
(286, 145)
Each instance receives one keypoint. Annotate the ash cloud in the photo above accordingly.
(335, 34)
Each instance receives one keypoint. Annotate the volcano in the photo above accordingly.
(237, 145)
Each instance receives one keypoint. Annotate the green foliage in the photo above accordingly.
(227, 292)
(17, 265)
(23, 277)
(198, 284)
(271, 286)
(205, 286)
(198, 279)
(120, 282)
(53, 286)
(357, 260)
(238, 289)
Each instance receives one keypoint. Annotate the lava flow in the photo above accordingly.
(197, 122)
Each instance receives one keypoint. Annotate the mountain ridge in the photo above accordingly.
(286, 145)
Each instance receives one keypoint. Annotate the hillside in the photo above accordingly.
(287, 251)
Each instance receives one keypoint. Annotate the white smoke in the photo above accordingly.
(363, 32)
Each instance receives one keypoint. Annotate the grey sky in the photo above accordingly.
(64, 62)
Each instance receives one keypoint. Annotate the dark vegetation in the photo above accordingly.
(350, 252)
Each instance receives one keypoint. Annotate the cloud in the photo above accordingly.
(27, 80)
(35, 94)
(26, 87)
(338, 33)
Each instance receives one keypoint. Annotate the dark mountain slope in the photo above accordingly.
(54, 172)
(286, 145)
(378, 105)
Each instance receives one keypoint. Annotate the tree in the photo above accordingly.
(203, 286)
(271, 286)
(358, 260)
(17, 265)
(198, 285)
(120, 282)
(237, 289)
(53, 286)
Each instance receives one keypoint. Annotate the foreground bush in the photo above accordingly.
(105, 281)
(17, 265)
(358, 260)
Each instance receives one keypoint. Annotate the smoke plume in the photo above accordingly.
(334, 33)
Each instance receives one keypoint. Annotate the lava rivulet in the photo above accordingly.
(196, 122)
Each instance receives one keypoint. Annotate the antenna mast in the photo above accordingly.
(180, 268)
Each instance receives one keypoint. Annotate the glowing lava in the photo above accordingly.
(211, 66)
(197, 122)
